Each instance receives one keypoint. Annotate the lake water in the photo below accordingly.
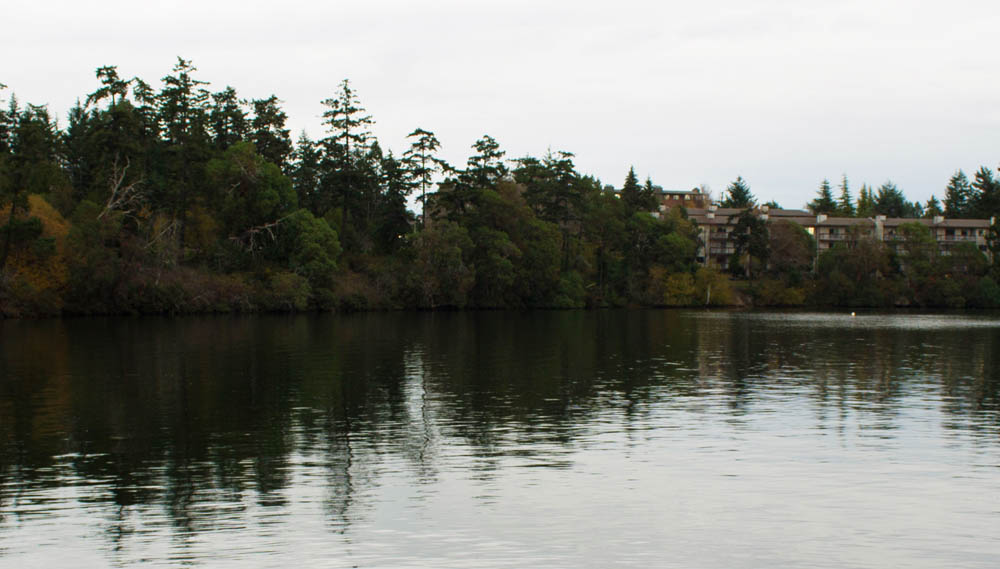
(496, 439)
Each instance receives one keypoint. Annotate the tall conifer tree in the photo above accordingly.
(845, 205)
(738, 195)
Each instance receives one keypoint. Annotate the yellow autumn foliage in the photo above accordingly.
(38, 278)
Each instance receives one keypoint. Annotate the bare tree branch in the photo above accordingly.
(124, 197)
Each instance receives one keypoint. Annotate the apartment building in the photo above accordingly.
(715, 228)
(689, 199)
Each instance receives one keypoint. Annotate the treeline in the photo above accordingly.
(780, 267)
(173, 198)
(979, 199)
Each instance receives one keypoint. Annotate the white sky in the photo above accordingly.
(783, 93)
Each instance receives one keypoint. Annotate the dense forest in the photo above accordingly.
(177, 199)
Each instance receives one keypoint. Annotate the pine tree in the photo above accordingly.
(845, 205)
(824, 200)
(182, 111)
(957, 195)
(486, 168)
(933, 207)
(482, 172)
(305, 174)
(985, 200)
(346, 171)
(227, 119)
(347, 123)
(268, 132)
(111, 86)
(890, 201)
(648, 195)
(631, 192)
(739, 195)
(422, 163)
(866, 202)
(182, 104)
(32, 166)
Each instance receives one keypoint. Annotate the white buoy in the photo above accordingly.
(852, 314)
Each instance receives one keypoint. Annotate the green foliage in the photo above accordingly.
(422, 163)
(866, 202)
(268, 133)
(775, 292)
(933, 208)
(288, 292)
(635, 197)
(680, 290)
(985, 200)
(845, 204)
(226, 118)
(311, 248)
(188, 200)
(494, 258)
(572, 292)
(712, 288)
(738, 195)
(248, 193)
(987, 294)
(891, 202)
(957, 196)
(792, 249)
(439, 274)
(750, 239)
(824, 202)
(856, 276)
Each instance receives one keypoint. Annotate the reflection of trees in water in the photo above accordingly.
(851, 368)
(202, 417)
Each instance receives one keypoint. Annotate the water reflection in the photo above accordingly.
(221, 433)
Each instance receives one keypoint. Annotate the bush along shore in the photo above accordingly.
(176, 199)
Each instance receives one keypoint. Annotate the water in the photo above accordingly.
(547, 439)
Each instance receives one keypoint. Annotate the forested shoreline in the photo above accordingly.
(177, 199)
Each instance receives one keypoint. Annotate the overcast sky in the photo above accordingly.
(783, 93)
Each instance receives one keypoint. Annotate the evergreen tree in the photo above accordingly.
(739, 195)
(183, 114)
(7, 117)
(347, 124)
(227, 119)
(933, 208)
(845, 205)
(347, 174)
(393, 219)
(306, 175)
(893, 202)
(556, 192)
(985, 199)
(146, 102)
(31, 166)
(866, 202)
(824, 202)
(422, 163)
(486, 168)
(483, 171)
(268, 132)
(648, 196)
(183, 105)
(631, 194)
(750, 239)
(957, 196)
(112, 86)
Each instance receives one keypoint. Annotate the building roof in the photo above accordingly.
(940, 222)
(694, 192)
(720, 216)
